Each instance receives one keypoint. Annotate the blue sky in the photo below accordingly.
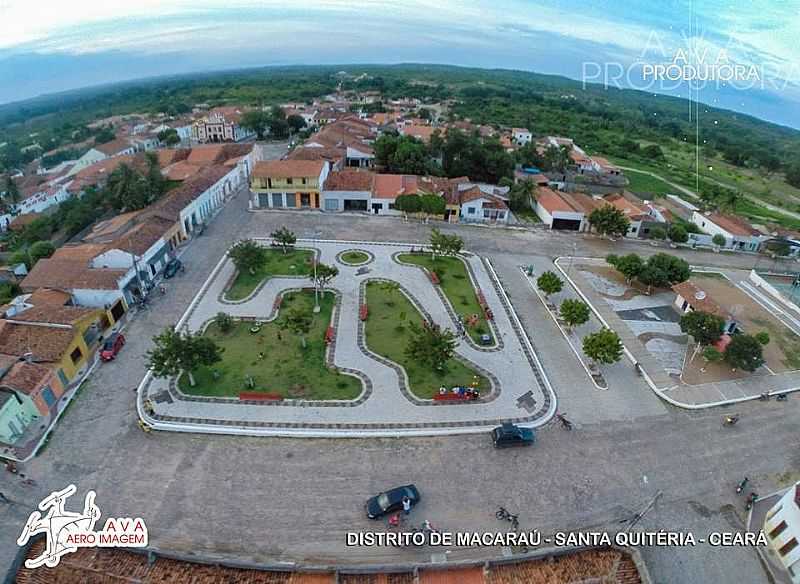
(48, 45)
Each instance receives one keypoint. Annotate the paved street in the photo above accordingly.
(268, 499)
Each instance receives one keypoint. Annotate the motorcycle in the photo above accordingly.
(751, 500)
(565, 423)
(781, 397)
(742, 484)
(730, 420)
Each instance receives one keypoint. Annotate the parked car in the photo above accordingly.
(172, 268)
(511, 435)
(112, 346)
(391, 501)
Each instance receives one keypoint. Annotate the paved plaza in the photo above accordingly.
(520, 389)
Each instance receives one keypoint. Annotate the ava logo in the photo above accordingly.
(66, 531)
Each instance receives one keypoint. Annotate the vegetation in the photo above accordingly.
(9, 291)
(457, 287)
(176, 353)
(276, 263)
(660, 270)
(247, 255)
(388, 331)
(630, 265)
(603, 346)
(445, 245)
(354, 257)
(549, 284)
(271, 361)
(323, 275)
(677, 233)
(284, 238)
(574, 312)
(718, 240)
(129, 189)
(744, 352)
(608, 220)
(224, 322)
(705, 328)
(431, 345)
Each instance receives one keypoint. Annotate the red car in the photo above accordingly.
(112, 346)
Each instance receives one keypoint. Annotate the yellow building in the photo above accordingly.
(288, 184)
(64, 338)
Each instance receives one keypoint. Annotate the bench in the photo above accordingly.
(259, 396)
(450, 396)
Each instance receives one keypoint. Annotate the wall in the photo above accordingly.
(21, 414)
(786, 510)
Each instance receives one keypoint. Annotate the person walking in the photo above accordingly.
(406, 505)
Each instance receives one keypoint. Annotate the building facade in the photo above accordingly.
(288, 184)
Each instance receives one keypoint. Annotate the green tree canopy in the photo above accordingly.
(549, 283)
(744, 352)
(678, 234)
(247, 255)
(630, 265)
(603, 346)
(574, 312)
(175, 353)
(705, 328)
(430, 345)
(284, 237)
(608, 220)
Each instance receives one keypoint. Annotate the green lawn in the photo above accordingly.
(387, 333)
(354, 257)
(296, 262)
(644, 183)
(456, 285)
(286, 368)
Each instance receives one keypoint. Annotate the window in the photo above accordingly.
(470, 210)
(76, 355)
(63, 378)
(778, 530)
(303, 181)
(288, 181)
(48, 396)
(391, 205)
(788, 547)
(331, 204)
(772, 512)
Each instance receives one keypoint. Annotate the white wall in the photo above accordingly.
(785, 510)
(95, 298)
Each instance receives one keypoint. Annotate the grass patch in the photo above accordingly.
(387, 334)
(456, 285)
(644, 183)
(296, 262)
(354, 257)
(287, 368)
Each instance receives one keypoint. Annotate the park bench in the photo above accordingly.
(259, 396)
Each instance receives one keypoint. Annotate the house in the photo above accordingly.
(483, 205)
(422, 133)
(13, 273)
(566, 211)
(17, 409)
(334, 156)
(61, 338)
(688, 297)
(98, 152)
(290, 184)
(603, 166)
(521, 136)
(738, 233)
(347, 190)
(782, 529)
(34, 381)
(387, 187)
(221, 124)
(642, 217)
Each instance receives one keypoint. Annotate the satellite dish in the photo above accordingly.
(699, 295)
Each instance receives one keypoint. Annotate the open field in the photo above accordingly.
(296, 262)
(457, 286)
(285, 368)
(388, 332)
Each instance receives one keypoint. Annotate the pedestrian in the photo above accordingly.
(406, 505)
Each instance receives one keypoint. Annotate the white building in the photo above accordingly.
(347, 190)
(481, 203)
(521, 136)
(782, 528)
(738, 234)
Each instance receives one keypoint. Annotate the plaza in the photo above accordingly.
(498, 357)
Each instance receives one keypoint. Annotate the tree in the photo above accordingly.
(658, 233)
(296, 122)
(549, 283)
(432, 205)
(224, 322)
(299, 322)
(793, 174)
(430, 345)
(324, 274)
(744, 352)
(453, 245)
(284, 238)
(437, 242)
(277, 123)
(256, 121)
(763, 338)
(677, 234)
(652, 276)
(675, 269)
(169, 137)
(175, 353)
(22, 256)
(608, 220)
(248, 256)
(603, 346)
(705, 328)
(521, 195)
(712, 355)
(574, 312)
(41, 249)
(718, 240)
(629, 265)
(12, 191)
(408, 204)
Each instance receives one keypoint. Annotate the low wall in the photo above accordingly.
(762, 284)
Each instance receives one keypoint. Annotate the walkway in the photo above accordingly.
(521, 392)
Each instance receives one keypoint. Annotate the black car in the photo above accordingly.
(172, 268)
(391, 500)
(511, 435)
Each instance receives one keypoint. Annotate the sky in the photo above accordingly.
(48, 46)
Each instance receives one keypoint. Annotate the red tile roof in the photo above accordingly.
(699, 299)
(70, 275)
(53, 314)
(349, 180)
(552, 202)
(733, 225)
(391, 186)
(49, 296)
(288, 168)
(114, 147)
(46, 343)
(26, 377)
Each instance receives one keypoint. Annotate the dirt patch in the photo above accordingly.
(783, 351)
(698, 370)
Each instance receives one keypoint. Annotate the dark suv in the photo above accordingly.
(511, 435)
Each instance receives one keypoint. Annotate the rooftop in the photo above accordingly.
(288, 168)
(732, 224)
(349, 180)
(25, 377)
(390, 186)
(113, 147)
(45, 343)
(699, 299)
